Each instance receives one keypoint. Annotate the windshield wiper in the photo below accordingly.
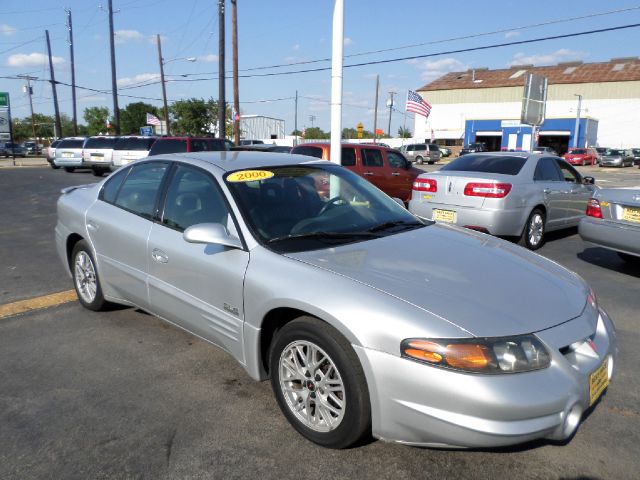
(394, 224)
(325, 236)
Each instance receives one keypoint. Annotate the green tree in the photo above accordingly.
(296, 133)
(134, 116)
(404, 132)
(96, 118)
(316, 133)
(197, 116)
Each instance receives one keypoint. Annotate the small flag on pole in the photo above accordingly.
(416, 104)
(152, 119)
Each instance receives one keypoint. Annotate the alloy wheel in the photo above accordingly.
(85, 277)
(535, 230)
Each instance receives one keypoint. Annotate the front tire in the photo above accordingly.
(85, 277)
(319, 383)
(533, 234)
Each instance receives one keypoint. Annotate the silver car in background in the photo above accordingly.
(50, 152)
(69, 153)
(613, 221)
(130, 148)
(422, 152)
(505, 194)
(365, 319)
(616, 157)
(98, 154)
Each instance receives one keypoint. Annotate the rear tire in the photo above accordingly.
(69, 169)
(533, 233)
(319, 383)
(419, 160)
(98, 172)
(630, 259)
(85, 278)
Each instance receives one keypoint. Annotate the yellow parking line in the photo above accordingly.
(37, 303)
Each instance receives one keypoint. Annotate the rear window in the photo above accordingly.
(434, 148)
(134, 143)
(309, 151)
(100, 142)
(55, 143)
(71, 143)
(486, 163)
(173, 145)
(614, 152)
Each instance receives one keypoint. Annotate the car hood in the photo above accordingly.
(484, 285)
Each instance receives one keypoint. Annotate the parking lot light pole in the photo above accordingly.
(577, 129)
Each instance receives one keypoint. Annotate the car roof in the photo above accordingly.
(342, 144)
(242, 160)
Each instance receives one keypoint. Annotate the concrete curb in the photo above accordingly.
(24, 162)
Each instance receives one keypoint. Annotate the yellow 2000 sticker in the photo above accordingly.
(249, 176)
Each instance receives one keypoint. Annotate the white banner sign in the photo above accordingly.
(4, 120)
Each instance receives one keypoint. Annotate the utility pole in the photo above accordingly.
(375, 111)
(73, 72)
(295, 122)
(312, 119)
(222, 104)
(52, 76)
(164, 88)
(29, 91)
(236, 93)
(114, 86)
(390, 104)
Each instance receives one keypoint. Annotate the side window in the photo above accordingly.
(140, 189)
(193, 197)
(546, 171)
(112, 185)
(371, 157)
(310, 151)
(396, 160)
(348, 157)
(569, 174)
(199, 146)
(411, 148)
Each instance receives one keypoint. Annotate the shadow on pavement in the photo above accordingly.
(609, 259)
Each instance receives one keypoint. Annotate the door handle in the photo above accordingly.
(368, 174)
(159, 256)
(546, 190)
(92, 226)
(395, 174)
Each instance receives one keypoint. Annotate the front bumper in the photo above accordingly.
(506, 222)
(614, 236)
(422, 405)
(611, 163)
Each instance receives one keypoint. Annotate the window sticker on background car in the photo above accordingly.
(249, 176)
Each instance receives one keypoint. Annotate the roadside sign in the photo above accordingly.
(4, 99)
(146, 131)
(4, 121)
(360, 129)
(534, 100)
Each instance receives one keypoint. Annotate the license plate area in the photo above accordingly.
(446, 216)
(631, 214)
(598, 381)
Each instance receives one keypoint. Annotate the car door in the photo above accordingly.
(196, 286)
(118, 225)
(578, 193)
(401, 175)
(375, 170)
(549, 181)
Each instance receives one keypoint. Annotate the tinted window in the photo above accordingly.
(140, 189)
(396, 160)
(310, 151)
(71, 144)
(614, 152)
(112, 185)
(348, 157)
(172, 145)
(199, 145)
(55, 143)
(218, 144)
(434, 148)
(192, 198)
(569, 174)
(371, 157)
(134, 143)
(487, 163)
(546, 171)
(100, 142)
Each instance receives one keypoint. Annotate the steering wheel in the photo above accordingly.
(332, 202)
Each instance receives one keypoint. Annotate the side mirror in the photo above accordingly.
(211, 233)
(589, 180)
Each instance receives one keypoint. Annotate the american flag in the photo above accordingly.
(152, 119)
(416, 104)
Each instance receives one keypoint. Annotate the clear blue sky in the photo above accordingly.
(274, 32)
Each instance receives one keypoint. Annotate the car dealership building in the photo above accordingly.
(483, 105)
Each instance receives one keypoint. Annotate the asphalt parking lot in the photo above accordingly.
(122, 394)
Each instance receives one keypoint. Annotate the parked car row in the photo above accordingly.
(8, 149)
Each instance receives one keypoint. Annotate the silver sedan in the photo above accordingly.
(613, 221)
(506, 194)
(366, 319)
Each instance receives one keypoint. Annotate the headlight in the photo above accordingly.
(479, 355)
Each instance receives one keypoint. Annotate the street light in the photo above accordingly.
(162, 63)
(577, 129)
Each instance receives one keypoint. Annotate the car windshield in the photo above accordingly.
(134, 143)
(75, 143)
(577, 151)
(636, 151)
(611, 152)
(100, 142)
(309, 207)
(505, 165)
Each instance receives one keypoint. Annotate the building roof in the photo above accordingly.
(615, 70)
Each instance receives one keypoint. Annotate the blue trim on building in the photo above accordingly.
(588, 130)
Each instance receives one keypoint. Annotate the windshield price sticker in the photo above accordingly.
(249, 176)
